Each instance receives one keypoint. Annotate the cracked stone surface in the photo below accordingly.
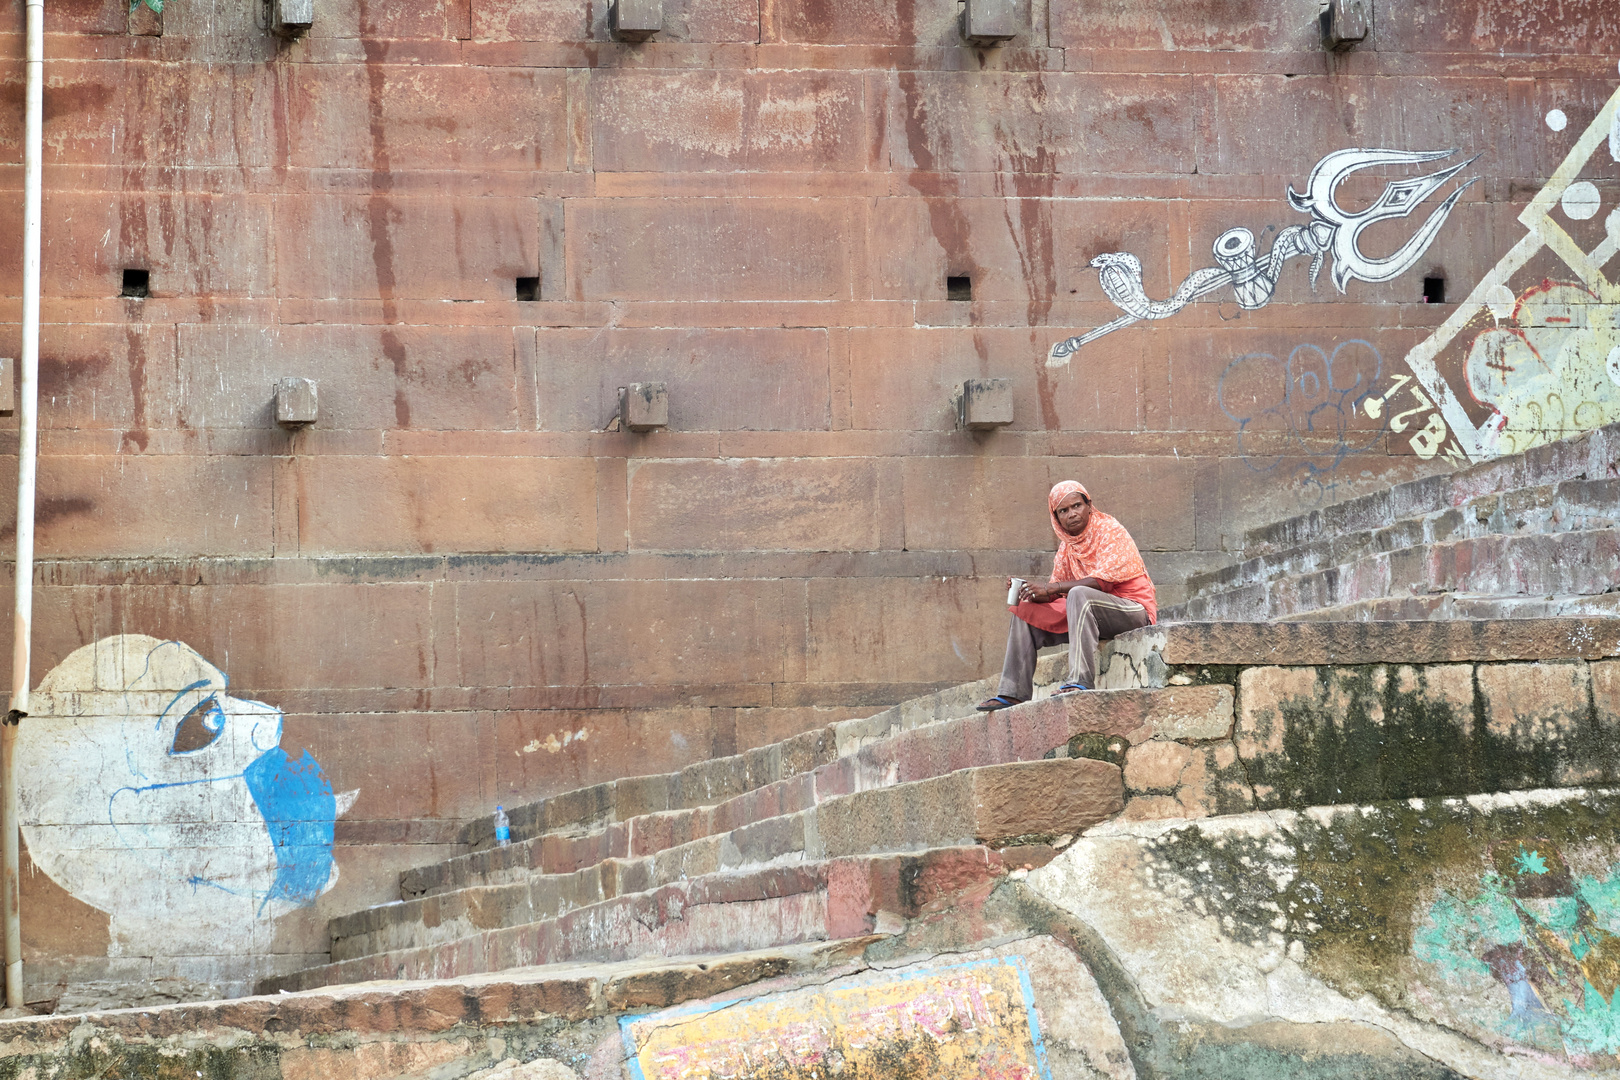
(1478, 933)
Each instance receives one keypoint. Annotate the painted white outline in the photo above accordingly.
(1543, 232)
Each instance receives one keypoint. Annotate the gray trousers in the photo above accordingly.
(1093, 616)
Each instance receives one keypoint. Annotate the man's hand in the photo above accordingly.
(1036, 592)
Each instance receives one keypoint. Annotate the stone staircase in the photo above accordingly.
(810, 839)
(1278, 843)
(1079, 843)
(856, 828)
(1530, 535)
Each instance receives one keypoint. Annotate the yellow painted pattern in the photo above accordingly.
(972, 1020)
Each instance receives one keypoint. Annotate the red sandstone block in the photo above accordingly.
(384, 22)
(874, 24)
(404, 246)
(859, 889)
(719, 379)
(1031, 250)
(979, 502)
(106, 17)
(1167, 25)
(1325, 113)
(403, 117)
(446, 504)
(369, 376)
(1509, 26)
(292, 636)
(1538, 150)
(791, 505)
(706, 120)
(529, 20)
(766, 726)
(875, 629)
(707, 21)
(216, 245)
(101, 506)
(405, 766)
(1046, 123)
(840, 777)
(904, 379)
(712, 249)
(663, 739)
(99, 111)
(106, 376)
(630, 632)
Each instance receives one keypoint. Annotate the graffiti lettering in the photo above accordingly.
(1525, 359)
(1547, 373)
(1304, 409)
(1430, 439)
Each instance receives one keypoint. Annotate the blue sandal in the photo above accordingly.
(1071, 687)
(1000, 701)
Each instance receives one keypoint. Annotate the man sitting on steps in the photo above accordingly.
(1099, 590)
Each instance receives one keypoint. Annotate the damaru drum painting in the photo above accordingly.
(1332, 230)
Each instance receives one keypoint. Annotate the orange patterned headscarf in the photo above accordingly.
(1104, 551)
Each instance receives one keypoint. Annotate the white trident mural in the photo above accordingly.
(1332, 230)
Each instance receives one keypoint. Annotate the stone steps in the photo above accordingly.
(1464, 606)
(929, 774)
(1570, 506)
(1592, 456)
(972, 740)
(1550, 512)
(1188, 717)
(1531, 566)
(762, 908)
(998, 805)
(717, 780)
(907, 777)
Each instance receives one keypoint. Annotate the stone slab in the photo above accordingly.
(1375, 916)
(1250, 644)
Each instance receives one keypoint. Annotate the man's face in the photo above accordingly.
(1074, 514)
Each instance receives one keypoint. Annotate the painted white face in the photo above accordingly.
(148, 792)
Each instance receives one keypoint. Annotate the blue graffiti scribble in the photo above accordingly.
(299, 809)
(1306, 408)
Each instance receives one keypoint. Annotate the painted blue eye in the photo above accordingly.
(200, 727)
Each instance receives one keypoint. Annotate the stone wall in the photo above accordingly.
(463, 585)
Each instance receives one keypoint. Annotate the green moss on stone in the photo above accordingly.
(1377, 742)
(1352, 886)
(1099, 747)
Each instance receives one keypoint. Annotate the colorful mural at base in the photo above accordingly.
(150, 793)
(1548, 936)
(972, 1019)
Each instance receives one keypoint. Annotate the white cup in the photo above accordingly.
(1018, 584)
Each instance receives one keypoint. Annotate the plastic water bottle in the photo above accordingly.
(503, 827)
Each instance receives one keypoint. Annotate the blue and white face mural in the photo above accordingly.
(148, 792)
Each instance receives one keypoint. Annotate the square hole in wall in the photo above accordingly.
(137, 283)
(1434, 290)
(958, 288)
(528, 288)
